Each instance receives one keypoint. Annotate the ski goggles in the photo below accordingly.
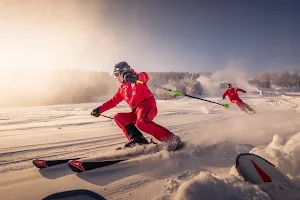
(117, 74)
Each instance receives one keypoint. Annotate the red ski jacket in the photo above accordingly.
(232, 94)
(133, 94)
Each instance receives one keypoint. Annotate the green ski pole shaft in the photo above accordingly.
(182, 94)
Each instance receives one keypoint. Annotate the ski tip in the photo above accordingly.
(39, 163)
(76, 166)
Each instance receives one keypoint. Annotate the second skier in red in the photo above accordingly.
(233, 96)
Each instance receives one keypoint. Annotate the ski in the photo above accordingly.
(82, 166)
(40, 163)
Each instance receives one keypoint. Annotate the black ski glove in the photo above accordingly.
(244, 91)
(96, 112)
(130, 77)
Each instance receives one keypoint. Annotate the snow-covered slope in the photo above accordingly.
(203, 170)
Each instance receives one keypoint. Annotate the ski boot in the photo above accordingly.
(136, 137)
(140, 140)
(174, 144)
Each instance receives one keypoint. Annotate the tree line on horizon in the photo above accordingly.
(84, 86)
(287, 79)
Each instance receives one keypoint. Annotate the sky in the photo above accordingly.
(156, 35)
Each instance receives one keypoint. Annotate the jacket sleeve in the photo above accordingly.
(115, 100)
(239, 90)
(143, 76)
(225, 94)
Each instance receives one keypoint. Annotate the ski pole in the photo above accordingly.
(103, 115)
(214, 107)
(106, 116)
(182, 94)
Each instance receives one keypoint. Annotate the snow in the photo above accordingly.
(204, 170)
(208, 186)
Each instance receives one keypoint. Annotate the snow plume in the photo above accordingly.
(209, 85)
(233, 73)
(208, 186)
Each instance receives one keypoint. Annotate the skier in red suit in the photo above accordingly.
(143, 109)
(233, 96)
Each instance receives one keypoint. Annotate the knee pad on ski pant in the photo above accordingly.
(124, 119)
(132, 131)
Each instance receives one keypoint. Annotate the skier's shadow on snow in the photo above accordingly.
(55, 172)
(180, 161)
(222, 154)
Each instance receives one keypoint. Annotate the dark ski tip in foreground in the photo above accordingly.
(81, 166)
(40, 163)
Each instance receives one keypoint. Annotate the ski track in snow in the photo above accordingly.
(214, 140)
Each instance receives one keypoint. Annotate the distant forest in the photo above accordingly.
(282, 79)
(82, 86)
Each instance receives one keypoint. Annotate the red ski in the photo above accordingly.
(81, 166)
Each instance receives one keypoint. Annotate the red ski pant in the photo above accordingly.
(142, 117)
(242, 105)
